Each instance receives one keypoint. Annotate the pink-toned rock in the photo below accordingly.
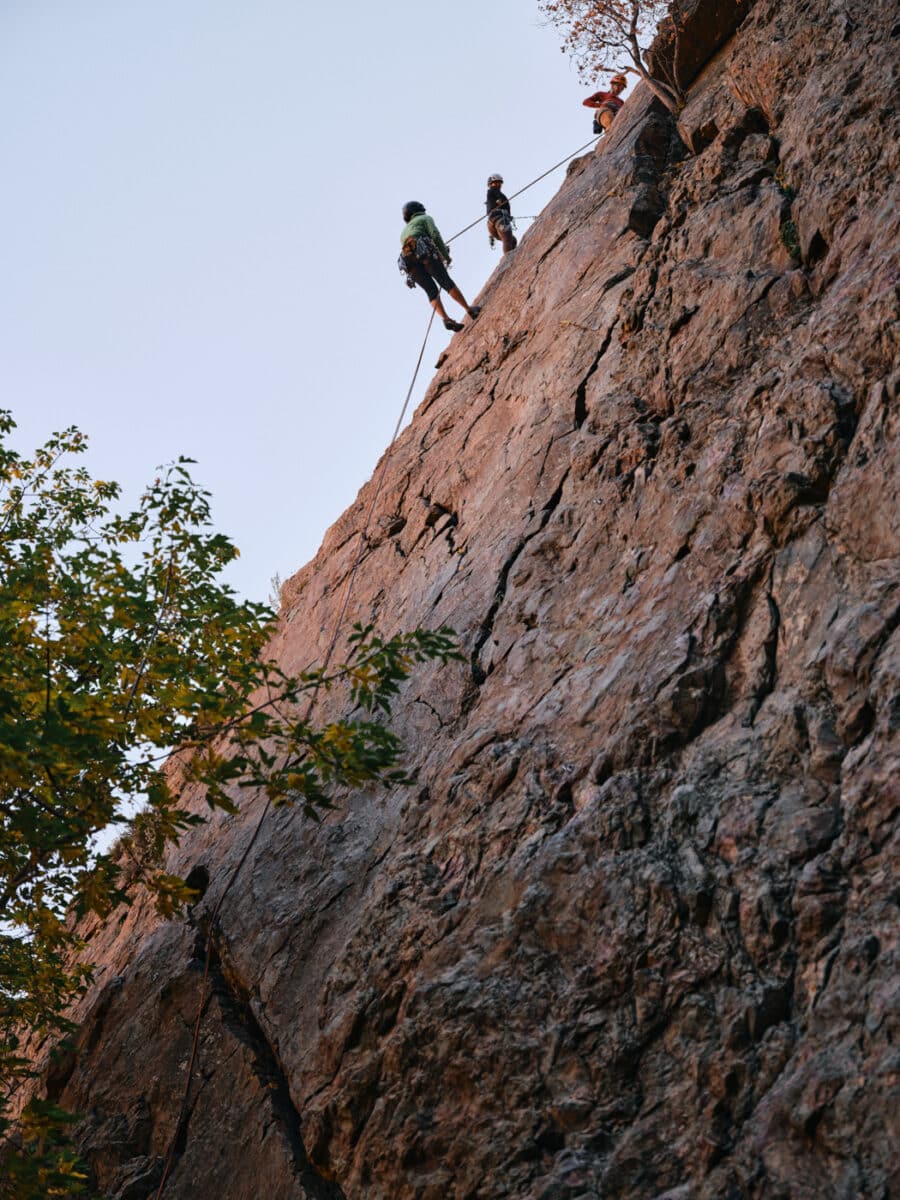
(630, 934)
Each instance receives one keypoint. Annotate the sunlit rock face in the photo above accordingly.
(630, 934)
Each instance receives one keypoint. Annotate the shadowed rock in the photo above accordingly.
(631, 932)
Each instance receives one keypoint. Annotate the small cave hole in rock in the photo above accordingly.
(755, 120)
(818, 248)
(198, 881)
(704, 136)
(550, 1139)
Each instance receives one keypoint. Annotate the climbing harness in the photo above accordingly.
(348, 588)
(501, 227)
(549, 171)
(501, 217)
(421, 248)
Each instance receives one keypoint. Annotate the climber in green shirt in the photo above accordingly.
(424, 260)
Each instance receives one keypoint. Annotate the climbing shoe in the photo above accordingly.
(474, 311)
(453, 326)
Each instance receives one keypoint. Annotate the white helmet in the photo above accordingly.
(494, 179)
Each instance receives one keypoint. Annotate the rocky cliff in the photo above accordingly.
(632, 933)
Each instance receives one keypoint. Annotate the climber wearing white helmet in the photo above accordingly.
(499, 217)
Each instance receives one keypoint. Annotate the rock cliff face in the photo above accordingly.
(631, 934)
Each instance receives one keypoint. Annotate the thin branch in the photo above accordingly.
(20, 877)
(14, 505)
(48, 658)
(154, 634)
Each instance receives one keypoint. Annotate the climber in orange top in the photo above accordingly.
(607, 103)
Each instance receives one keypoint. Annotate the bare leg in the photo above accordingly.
(472, 310)
(457, 295)
(606, 118)
(439, 308)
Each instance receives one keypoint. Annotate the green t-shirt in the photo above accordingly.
(422, 226)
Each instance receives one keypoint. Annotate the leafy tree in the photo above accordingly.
(612, 35)
(120, 648)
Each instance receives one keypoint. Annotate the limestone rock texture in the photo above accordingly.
(632, 932)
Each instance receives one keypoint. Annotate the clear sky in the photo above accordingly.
(201, 217)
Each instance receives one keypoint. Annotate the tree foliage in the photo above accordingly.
(605, 36)
(120, 650)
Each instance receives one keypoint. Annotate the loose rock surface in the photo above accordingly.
(632, 934)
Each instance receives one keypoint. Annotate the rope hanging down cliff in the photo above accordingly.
(348, 588)
(179, 1130)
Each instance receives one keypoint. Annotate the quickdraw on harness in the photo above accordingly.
(419, 249)
(609, 106)
(502, 220)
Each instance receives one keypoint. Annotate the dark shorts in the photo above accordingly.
(430, 275)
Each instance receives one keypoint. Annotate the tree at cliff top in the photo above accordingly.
(120, 650)
(612, 35)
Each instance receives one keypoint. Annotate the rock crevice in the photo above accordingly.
(631, 932)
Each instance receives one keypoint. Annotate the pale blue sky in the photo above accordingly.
(200, 218)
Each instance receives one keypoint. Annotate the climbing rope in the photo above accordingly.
(549, 171)
(348, 588)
